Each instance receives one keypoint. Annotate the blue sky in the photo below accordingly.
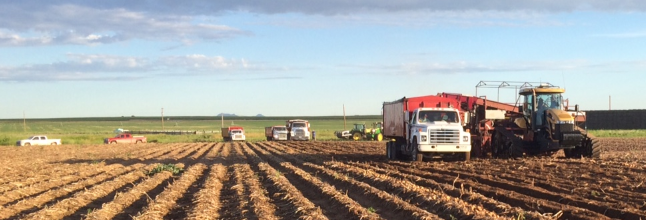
(308, 58)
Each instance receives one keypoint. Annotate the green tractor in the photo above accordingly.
(361, 132)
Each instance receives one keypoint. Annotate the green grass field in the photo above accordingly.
(94, 130)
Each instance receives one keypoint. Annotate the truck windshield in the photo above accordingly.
(236, 131)
(431, 116)
(298, 125)
(280, 128)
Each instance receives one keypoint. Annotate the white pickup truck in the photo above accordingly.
(38, 140)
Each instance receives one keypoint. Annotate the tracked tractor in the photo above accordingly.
(541, 125)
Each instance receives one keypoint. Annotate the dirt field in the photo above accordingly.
(313, 180)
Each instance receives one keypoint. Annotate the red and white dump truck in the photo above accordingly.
(276, 133)
(233, 133)
(425, 127)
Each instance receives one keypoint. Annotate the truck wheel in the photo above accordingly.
(380, 137)
(137, 142)
(415, 155)
(53, 143)
(356, 136)
(113, 142)
(389, 151)
(27, 144)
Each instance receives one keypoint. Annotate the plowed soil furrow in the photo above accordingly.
(435, 202)
(158, 154)
(214, 152)
(201, 152)
(287, 206)
(189, 150)
(543, 194)
(302, 208)
(180, 152)
(32, 204)
(164, 202)
(12, 176)
(124, 200)
(207, 201)
(466, 195)
(233, 195)
(260, 202)
(376, 201)
(70, 205)
(334, 207)
(473, 198)
(552, 176)
(21, 178)
(55, 182)
(513, 195)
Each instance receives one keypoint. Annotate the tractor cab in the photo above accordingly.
(359, 127)
(542, 101)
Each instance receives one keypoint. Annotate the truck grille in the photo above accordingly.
(441, 136)
(282, 136)
(237, 136)
(299, 133)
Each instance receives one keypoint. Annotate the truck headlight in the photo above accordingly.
(423, 138)
(465, 138)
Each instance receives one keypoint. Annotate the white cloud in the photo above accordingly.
(97, 67)
(79, 25)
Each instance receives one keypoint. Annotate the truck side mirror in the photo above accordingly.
(576, 107)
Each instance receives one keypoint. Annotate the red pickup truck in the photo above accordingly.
(125, 138)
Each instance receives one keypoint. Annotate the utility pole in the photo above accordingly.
(343, 116)
(222, 120)
(162, 119)
(609, 102)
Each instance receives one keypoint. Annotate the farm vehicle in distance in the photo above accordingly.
(298, 129)
(233, 133)
(38, 140)
(276, 133)
(541, 125)
(125, 138)
(361, 132)
(425, 127)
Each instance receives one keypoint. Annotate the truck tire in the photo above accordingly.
(113, 142)
(138, 142)
(53, 143)
(389, 151)
(415, 155)
(27, 144)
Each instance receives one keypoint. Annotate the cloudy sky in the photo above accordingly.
(305, 58)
